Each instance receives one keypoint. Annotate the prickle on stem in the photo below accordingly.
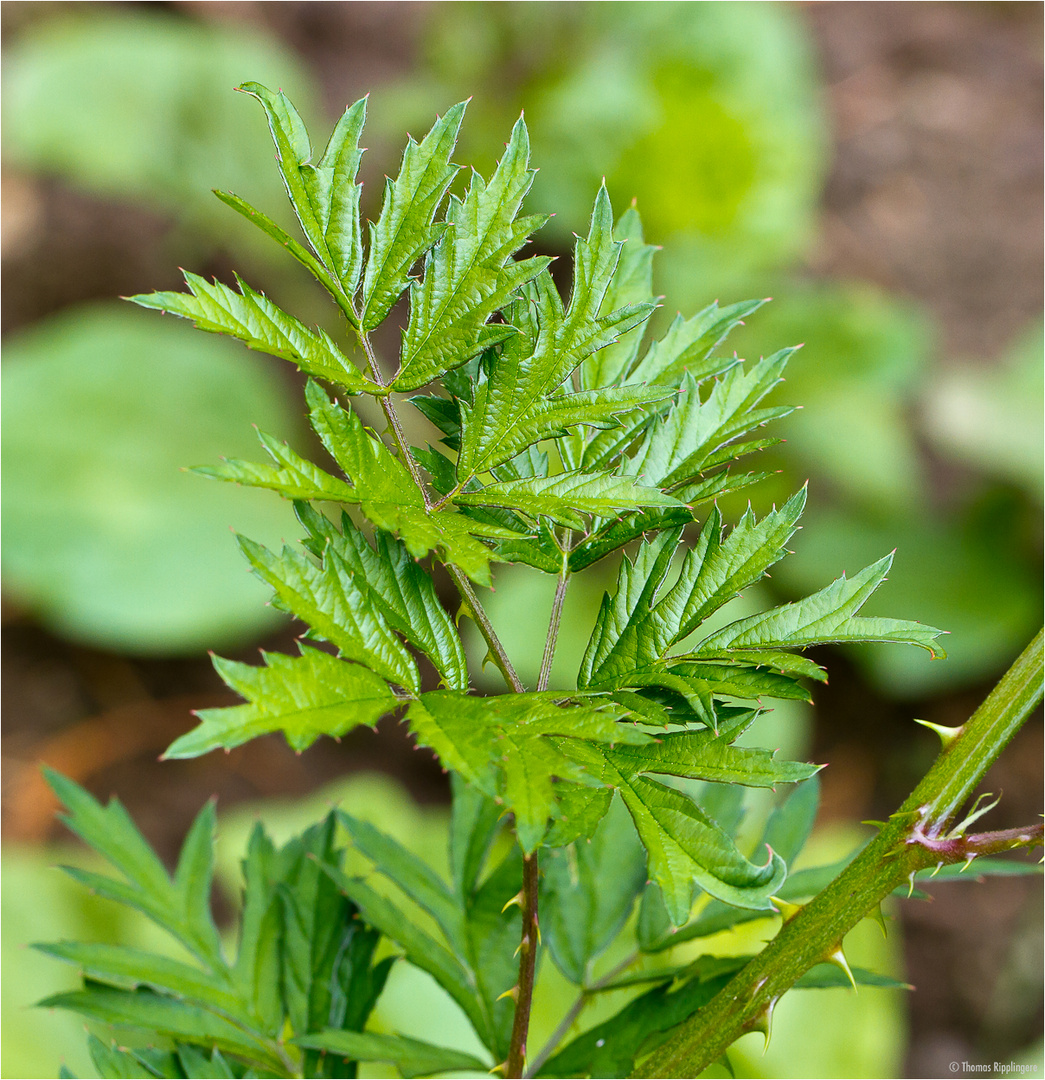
(878, 916)
(516, 900)
(763, 1022)
(947, 734)
(787, 911)
(838, 959)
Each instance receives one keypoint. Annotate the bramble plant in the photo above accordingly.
(563, 437)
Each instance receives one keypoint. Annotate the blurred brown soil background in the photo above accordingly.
(935, 192)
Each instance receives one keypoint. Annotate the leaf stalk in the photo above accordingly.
(482, 620)
(554, 622)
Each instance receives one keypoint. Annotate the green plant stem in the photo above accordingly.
(554, 621)
(393, 422)
(482, 620)
(460, 579)
(920, 835)
(527, 968)
(516, 1062)
(528, 945)
(530, 933)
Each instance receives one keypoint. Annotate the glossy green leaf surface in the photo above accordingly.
(643, 620)
(684, 846)
(420, 948)
(259, 324)
(470, 273)
(336, 608)
(564, 433)
(514, 406)
(302, 958)
(325, 196)
(292, 476)
(475, 965)
(399, 588)
(829, 615)
(390, 499)
(566, 499)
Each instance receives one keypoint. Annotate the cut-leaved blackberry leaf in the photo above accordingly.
(470, 273)
(405, 228)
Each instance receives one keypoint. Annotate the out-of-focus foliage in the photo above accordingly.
(864, 357)
(990, 417)
(966, 562)
(968, 572)
(106, 538)
(39, 903)
(708, 114)
(139, 106)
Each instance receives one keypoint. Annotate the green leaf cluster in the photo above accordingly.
(304, 962)
(308, 967)
(563, 434)
(297, 995)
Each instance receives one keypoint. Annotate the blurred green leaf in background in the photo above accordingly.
(139, 105)
(865, 355)
(965, 549)
(989, 417)
(107, 541)
(105, 538)
(708, 114)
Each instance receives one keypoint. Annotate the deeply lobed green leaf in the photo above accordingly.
(397, 586)
(469, 274)
(565, 499)
(304, 962)
(260, 324)
(827, 616)
(325, 197)
(405, 230)
(515, 404)
(304, 697)
(336, 608)
(683, 844)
